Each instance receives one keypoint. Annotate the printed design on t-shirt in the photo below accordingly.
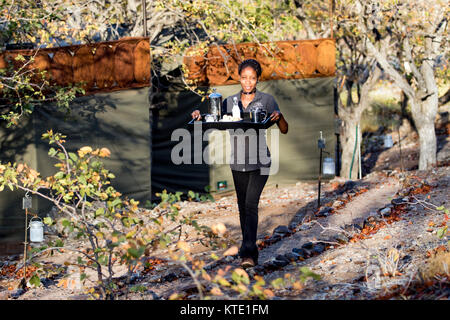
(256, 105)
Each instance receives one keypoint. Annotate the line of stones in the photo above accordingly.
(312, 249)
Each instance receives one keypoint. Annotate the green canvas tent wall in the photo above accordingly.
(117, 120)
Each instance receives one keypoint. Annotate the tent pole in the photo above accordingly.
(331, 14)
(144, 16)
(359, 152)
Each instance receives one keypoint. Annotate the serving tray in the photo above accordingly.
(225, 125)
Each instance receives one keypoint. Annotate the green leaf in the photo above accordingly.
(103, 260)
(35, 281)
(52, 152)
(99, 212)
(136, 253)
(116, 202)
(73, 156)
(308, 273)
(441, 232)
(65, 223)
(48, 221)
(277, 283)
(59, 175)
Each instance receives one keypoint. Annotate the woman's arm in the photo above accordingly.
(280, 120)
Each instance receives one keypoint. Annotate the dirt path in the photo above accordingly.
(355, 212)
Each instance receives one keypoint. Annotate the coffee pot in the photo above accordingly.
(215, 105)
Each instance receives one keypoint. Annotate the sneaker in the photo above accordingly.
(247, 263)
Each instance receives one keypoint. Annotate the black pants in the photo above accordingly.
(249, 186)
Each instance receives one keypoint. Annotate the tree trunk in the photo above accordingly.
(351, 138)
(350, 156)
(424, 114)
(424, 111)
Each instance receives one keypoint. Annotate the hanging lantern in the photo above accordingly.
(388, 143)
(36, 230)
(328, 167)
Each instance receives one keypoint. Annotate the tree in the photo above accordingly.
(356, 72)
(407, 39)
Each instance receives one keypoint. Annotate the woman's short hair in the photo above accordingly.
(252, 63)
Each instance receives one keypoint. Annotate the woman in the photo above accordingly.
(250, 175)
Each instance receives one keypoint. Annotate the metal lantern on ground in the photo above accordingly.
(36, 230)
(328, 167)
(388, 143)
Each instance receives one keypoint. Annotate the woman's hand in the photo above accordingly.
(275, 116)
(196, 115)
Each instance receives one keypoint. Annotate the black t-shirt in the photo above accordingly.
(249, 149)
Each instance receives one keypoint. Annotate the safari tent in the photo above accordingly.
(135, 115)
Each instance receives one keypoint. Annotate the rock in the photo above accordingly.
(372, 219)
(300, 252)
(47, 282)
(397, 201)
(349, 184)
(292, 225)
(337, 204)
(373, 214)
(229, 259)
(282, 257)
(251, 272)
(17, 293)
(385, 212)
(281, 263)
(270, 265)
(307, 245)
(210, 266)
(274, 238)
(308, 253)
(340, 238)
(259, 269)
(282, 230)
(358, 224)
(369, 224)
(305, 226)
(325, 212)
(406, 258)
(318, 248)
(433, 184)
(292, 256)
(169, 277)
